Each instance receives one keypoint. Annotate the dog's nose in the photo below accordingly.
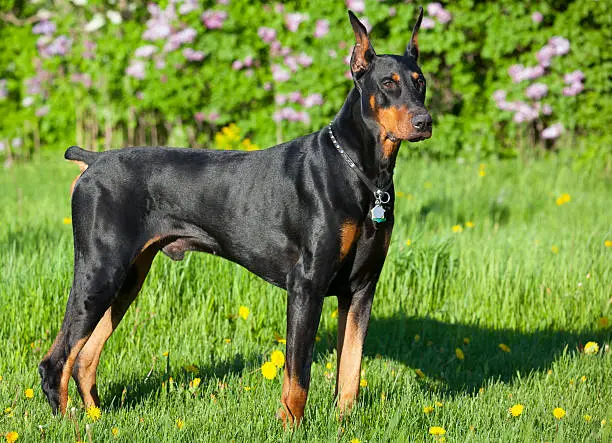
(422, 122)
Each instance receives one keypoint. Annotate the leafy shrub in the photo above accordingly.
(502, 75)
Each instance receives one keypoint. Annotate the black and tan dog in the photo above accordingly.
(313, 216)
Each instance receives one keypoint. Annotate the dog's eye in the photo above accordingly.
(419, 81)
(389, 83)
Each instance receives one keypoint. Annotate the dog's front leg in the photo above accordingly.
(353, 318)
(306, 289)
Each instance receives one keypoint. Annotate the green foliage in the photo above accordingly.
(93, 101)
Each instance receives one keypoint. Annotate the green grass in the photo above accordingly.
(498, 282)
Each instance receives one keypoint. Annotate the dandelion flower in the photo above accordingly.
(11, 437)
(504, 347)
(179, 423)
(482, 173)
(355, 440)
(466, 340)
(29, 393)
(457, 228)
(243, 312)
(554, 249)
(195, 382)
(469, 224)
(334, 314)
(93, 413)
(516, 410)
(278, 358)
(115, 431)
(608, 243)
(428, 409)
(329, 366)
(559, 413)
(408, 242)
(591, 348)
(67, 220)
(437, 430)
(419, 373)
(363, 383)
(563, 199)
(459, 354)
(268, 369)
(165, 354)
(587, 417)
(417, 337)
(439, 404)
(583, 378)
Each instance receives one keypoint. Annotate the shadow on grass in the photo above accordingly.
(429, 345)
(139, 389)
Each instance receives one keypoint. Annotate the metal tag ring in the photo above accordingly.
(380, 194)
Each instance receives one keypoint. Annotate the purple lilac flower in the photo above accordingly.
(192, 55)
(392, 12)
(267, 86)
(279, 74)
(536, 91)
(90, 50)
(17, 142)
(518, 73)
(573, 89)
(83, 78)
(280, 99)
(293, 20)
(157, 30)
(304, 59)
(279, 8)
(444, 16)
(428, 23)
(499, 96)
(160, 63)
(33, 85)
(332, 53)
(3, 89)
(537, 17)
(545, 55)
(237, 65)
(145, 51)
(60, 46)
(44, 27)
(291, 115)
(27, 101)
(560, 45)
(184, 36)
(321, 28)
(136, 69)
(356, 5)
(525, 113)
(213, 19)
(434, 8)
(313, 100)
(248, 72)
(277, 49)
(198, 116)
(573, 77)
(547, 109)
(552, 131)
(291, 63)
(42, 111)
(188, 6)
(248, 61)
(295, 97)
(268, 35)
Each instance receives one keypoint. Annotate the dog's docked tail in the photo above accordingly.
(77, 154)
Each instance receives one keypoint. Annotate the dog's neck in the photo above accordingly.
(361, 137)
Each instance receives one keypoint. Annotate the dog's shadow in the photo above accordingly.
(486, 355)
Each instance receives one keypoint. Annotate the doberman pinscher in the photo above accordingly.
(313, 216)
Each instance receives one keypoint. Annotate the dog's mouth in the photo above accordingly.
(413, 137)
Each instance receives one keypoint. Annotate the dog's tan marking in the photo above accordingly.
(82, 166)
(349, 366)
(415, 75)
(348, 234)
(395, 77)
(293, 400)
(69, 363)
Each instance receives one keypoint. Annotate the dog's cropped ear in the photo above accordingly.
(363, 53)
(412, 50)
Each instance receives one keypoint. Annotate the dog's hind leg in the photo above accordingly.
(96, 282)
(84, 371)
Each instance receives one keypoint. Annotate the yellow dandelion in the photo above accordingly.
(334, 314)
(417, 337)
(8, 410)
(227, 340)
(554, 249)
(428, 409)
(278, 358)
(165, 354)
(516, 410)
(11, 437)
(29, 393)
(591, 348)
(400, 194)
(587, 417)
(115, 431)
(439, 404)
(603, 322)
(328, 366)
(608, 243)
(583, 378)
(603, 422)
(419, 373)
(355, 440)
(363, 383)
(67, 220)
(247, 388)
(93, 413)
(268, 369)
(504, 347)
(441, 439)
(457, 228)
(469, 224)
(408, 242)
(559, 413)
(482, 173)
(437, 430)
(466, 340)
(195, 382)
(243, 312)
(317, 338)
(563, 199)
(459, 354)
(179, 423)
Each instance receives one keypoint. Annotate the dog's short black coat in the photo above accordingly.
(296, 215)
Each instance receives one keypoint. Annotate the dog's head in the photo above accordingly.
(392, 87)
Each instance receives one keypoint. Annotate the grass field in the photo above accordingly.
(527, 269)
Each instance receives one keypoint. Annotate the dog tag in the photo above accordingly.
(378, 214)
